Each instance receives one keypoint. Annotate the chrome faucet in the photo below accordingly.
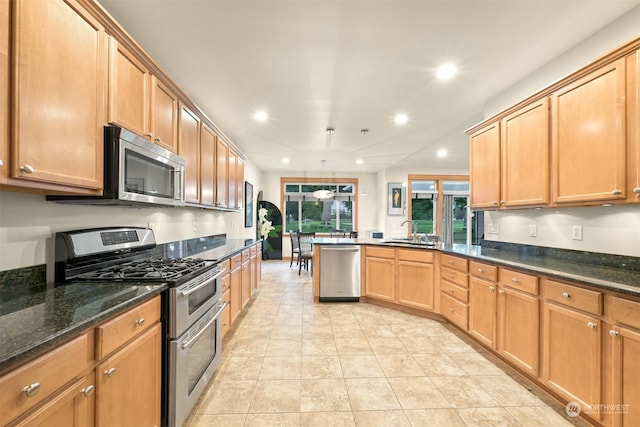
(414, 229)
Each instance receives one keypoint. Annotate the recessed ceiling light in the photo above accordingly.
(442, 153)
(285, 160)
(446, 71)
(260, 116)
(359, 161)
(401, 119)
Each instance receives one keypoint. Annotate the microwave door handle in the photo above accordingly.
(179, 185)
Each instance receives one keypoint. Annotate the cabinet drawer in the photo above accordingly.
(517, 280)
(455, 311)
(246, 255)
(415, 255)
(460, 264)
(625, 312)
(226, 264)
(51, 371)
(253, 250)
(235, 262)
(485, 271)
(226, 280)
(118, 331)
(226, 313)
(454, 276)
(572, 296)
(379, 252)
(458, 292)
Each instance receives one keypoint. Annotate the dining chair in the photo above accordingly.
(338, 233)
(295, 247)
(353, 234)
(305, 242)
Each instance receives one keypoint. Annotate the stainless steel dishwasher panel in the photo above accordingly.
(340, 273)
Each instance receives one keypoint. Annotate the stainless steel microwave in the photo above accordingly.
(137, 173)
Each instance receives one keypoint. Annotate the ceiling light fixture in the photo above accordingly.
(401, 119)
(330, 131)
(285, 160)
(260, 116)
(323, 193)
(442, 153)
(445, 72)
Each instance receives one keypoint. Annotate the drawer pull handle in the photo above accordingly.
(616, 192)
(500, 292)
(491, 288)
(87, 391)
(452, 275)
(514, 280)
(31, 390)
(157, 139)
(566, 295)
(148, 135)
(592, 325)
(480, 270)
(451, 290)
(613, 333)
(450, 309)
(450, 261)
(27, 169)
(636, 190)
(109, 372)
(140, 321)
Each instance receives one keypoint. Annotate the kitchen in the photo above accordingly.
(29, 223)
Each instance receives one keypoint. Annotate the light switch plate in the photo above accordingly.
(533, 230)
(576, 232)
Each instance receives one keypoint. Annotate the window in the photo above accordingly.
(306, 213)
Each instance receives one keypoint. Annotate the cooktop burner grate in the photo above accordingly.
(149, 269)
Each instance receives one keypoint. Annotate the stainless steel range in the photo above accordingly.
(192, 308)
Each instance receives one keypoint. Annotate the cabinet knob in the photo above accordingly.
(140, 321)
(31, 390)
(480, 270)
(27, 169)
(87, 391)
(635, 190)
(502, 202)
(451, 290)
(452, 275)
(148, 135)
(2, 164)
(109, 372)
(592, 325)
(224, 323)
(514, 280)
(491, 288)
(157, 139)
(450, 261)
(566, 295)
(613, 333)
(616, 192)
(495, 203)
(450, 309)
(500, 292)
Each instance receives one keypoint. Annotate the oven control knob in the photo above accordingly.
(140, 321)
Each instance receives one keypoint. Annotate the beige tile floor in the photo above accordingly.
(290, 362)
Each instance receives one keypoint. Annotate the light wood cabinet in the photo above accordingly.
(140, 101)
(4, 90)
(232, 189)
(633, 127)
(189, 149)
(246, 277)
(588, 137)
(482, 310)
(226, 313)
(415, 279)
(129, 383)
(235, 284)
(240, 183)
(222, 174)
(380, 273)
(525, 156)
(207, 165)
(454, 292)
(59, 60)
(255, 269)
(484, 168)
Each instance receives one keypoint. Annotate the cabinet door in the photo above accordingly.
(626, 371)
(254, 272)
(633, 127)
(485, 167)
(519, 329)
(588, 136)
(415, 284)
(207, 165)
(4, 90)
(482, 311)
(128, 383)
(246, 283)
(233, 179)
(240, 183)
(236, 293)
(525, 156)
(189, 149)
(60, 70)
(571, 354)
(164, 115)
(71, 407)
(380, 278)
(222, 174)
(129, 83)
(226, 313)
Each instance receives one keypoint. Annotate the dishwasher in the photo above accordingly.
(340, 273)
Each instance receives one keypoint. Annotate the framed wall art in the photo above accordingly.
(248, 204)
(396, 198)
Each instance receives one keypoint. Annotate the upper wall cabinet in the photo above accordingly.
(633, 127)
(139, 101)
(4, 91)
(525, 156)
(222, 174)
(588, 137)
(485, 167)
(207, 165)
(189, 149)
(59, 59)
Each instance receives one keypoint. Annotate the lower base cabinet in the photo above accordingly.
(129, 383)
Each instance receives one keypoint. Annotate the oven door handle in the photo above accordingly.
(188, 292)
(186, 345)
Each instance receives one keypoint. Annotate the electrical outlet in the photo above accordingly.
(533, 231)
(576, 232)
(233, 224)
(195, 225)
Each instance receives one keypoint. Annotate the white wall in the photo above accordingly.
(28, 223)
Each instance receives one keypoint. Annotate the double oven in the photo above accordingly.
(192, 307)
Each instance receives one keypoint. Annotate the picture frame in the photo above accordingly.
(395, 198)
(248, 205)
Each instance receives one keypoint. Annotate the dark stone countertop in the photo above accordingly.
(212, 248)
(608, 272)
(33, 323)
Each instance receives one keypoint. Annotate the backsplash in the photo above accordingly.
(22, 281)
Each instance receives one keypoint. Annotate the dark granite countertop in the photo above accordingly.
(31, 324)
(212, 248)
(609, 272)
